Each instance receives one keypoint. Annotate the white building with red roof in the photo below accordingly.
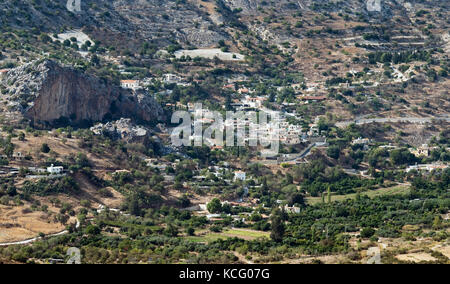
(130, 84)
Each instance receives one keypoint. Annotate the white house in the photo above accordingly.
(18, 156)
(55, 170)
(427, 167)
(169, 178)
(361, 140)
(293, 209)
(213, 216)
(37, 170)
(130, 84)
(171, 78)
(239, 175)
(256, 102)
(3, 72)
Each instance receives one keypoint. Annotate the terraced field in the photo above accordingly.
(206, 236)
(400, 189)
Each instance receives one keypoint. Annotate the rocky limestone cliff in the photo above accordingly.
(51, 94)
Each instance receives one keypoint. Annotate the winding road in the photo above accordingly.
(302, 155)
(29, 241)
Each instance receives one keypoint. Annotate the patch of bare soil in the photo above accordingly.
(92, 193)
(19, 223)
(416, 257)
(444, 249)
(326, 259)
(59, 148)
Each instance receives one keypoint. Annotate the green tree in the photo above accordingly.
(133, 206)
(367, 233)
(437, 223)
(214, 206)
(9, 149)
(93, 230)
(95, 60)
(296, 198)
(190, 231)
(226, 208)
(329, 194)
(21, 136)
(171, 231)
(402, 156)
(278, 227)
(333, 152)
(45, 148)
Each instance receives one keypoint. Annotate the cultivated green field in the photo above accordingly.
(246, 234)
(399, 189)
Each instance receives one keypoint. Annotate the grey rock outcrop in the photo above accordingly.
(126, 130)
(51, 94)
(121, 129)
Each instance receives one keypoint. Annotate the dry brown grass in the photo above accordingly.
(416, 257)
(59, 149)
(15, 225)
(19, 223)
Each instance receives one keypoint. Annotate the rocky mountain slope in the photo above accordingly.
(48, 93)
(196, 22)
(323, 41)
(127, 21)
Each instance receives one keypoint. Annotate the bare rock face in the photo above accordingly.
(51, 94)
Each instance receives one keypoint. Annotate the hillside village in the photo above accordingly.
(360, 112)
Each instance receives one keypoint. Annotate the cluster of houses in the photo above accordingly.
(244, 201)
(173, 79)
(49, 170)
(17, 156)
(427, 167)
(201, 210)
(365, 142)
(140, 84)
(278, 129)
(52, 171)
(422, 151)
(162, 166)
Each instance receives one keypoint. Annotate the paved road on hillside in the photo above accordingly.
(29, 241)
(302, 154)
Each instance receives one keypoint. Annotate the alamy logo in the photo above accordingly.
(374, 5)
(375, 255)
(238, 128)
(74, 256)
(74, 5)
